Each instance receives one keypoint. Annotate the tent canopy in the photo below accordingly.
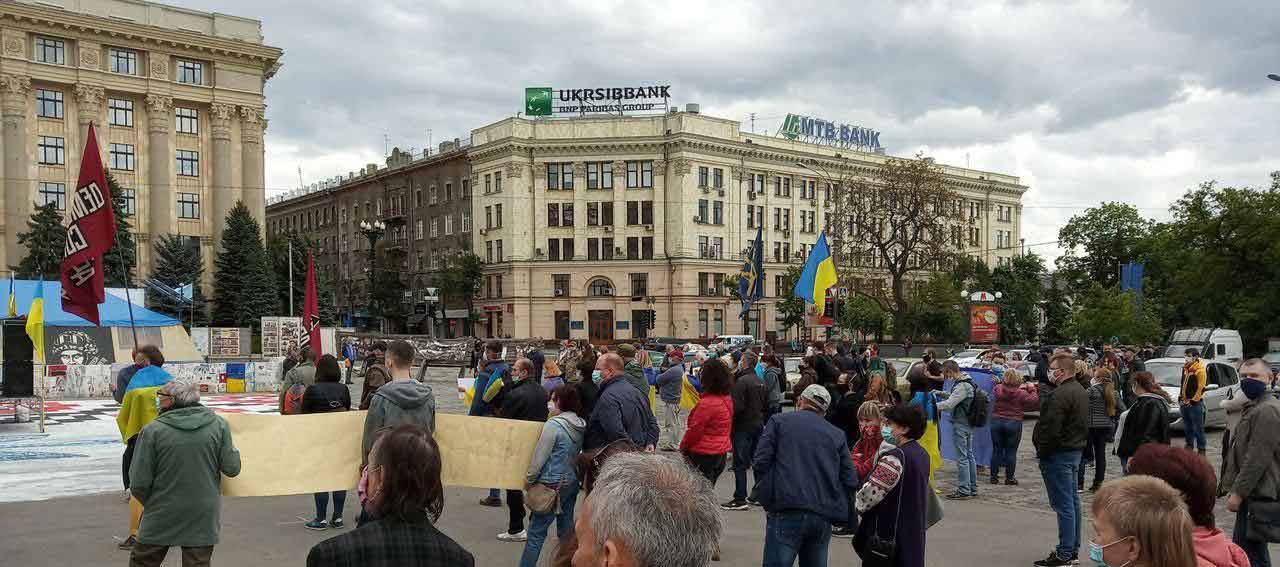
(113, 313)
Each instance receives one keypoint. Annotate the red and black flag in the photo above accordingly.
(311, 309)
(91, 230)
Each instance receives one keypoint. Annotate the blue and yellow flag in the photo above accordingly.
(751, 279)
(818, 276)
(35, 322)
(13, 299)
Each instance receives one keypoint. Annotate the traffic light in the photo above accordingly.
(653, 319)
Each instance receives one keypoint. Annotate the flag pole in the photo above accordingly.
(128, 294)
(291, 275)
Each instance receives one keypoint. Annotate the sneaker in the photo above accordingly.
(337, 524)
(128, 543)
(1053, 561)
(317, 525)
(844, 532)
(752, 502)
(1011, 482)
(735, 505)
(516, 537)
(959, 496)
(492, 502)
(1080, 489)
(1094, 487)
(995, 480)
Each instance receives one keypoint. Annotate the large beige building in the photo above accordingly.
(587, 222)
(176, 96)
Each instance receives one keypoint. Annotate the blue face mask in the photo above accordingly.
(887, 433)
(1253, 389)
(597, 376)
(1095, 553)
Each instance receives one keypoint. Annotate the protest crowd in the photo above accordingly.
(859, 457)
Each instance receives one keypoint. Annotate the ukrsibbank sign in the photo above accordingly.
(819, 131)
(546, 101)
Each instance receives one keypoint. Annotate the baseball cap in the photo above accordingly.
(627, 350)
(817, 395)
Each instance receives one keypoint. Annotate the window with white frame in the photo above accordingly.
(432, 197)
(188, 206)
(50, 50)
(122, 157)
(639, 174)
(466, 221)
(130, 201)
(52, 150)
(120, 112)
(123, 61)
(418, 232)
(190, 72)
(435, 227)
(53, 193)
(188, 120)
(188, 163)
(448, 225)
(599, 175)
(48, 103)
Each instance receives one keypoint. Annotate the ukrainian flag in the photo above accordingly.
(13, 299)
(819, 275)
(35, 322)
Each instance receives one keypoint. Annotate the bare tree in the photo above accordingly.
(891, 222)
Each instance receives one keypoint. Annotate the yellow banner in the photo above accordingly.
(301, 454)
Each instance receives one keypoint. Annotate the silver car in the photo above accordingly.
(1222, 382)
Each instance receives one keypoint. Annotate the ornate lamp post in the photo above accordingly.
(373, 231)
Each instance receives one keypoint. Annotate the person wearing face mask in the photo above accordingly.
(552, 466)
(406, 498)
(525, 400)
(1059, 437)
(894, 500)
(621, 411)
(870, 443)
(1191, 400)
(492, 367)
(1141, 521)
(177, 475)
(139, 406)
(1251, 471)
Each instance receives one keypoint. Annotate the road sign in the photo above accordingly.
(432, 294)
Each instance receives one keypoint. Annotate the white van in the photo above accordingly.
(1221, 345)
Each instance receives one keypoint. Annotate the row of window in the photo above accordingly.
(638, 248)
(419, 232)
(50, 104)
(52, 150)
(53, 51)
(601, 287)
(188, 204)
(599, 175)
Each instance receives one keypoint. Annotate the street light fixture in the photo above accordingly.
(373, 231)
(1273, 77)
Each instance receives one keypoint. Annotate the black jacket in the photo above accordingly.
(1146, 422)
(525, 400)
(750, 401)
(1064, 420)
(844, 415)
(324, 397)
(826, 369)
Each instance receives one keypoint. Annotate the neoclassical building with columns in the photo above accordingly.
(176, 96)
(587, 223)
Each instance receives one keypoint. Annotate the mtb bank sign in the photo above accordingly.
(546, 101)
(819, 131)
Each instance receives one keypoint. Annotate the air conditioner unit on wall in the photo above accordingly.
(559, 292)
(648, 227)
(705, 189)
(720, 192)
(608, 228)
(786, 233)
(751, 195)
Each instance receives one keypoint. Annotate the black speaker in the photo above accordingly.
(19, 371)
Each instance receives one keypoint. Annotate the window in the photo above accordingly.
(560, 283)
(566, 214)
(418, 231)
(130, 202)
(488, 217)
(497, 280)
(777, 186)
(600, 287)
(488, 253)
(717, 212)
(786, 186)
(52, 150)
(718, 321)
(435, 227)
(703, 176)
(633, 212)
(786, 219)
(639, 285)
(49, 50)
(599, 175)
(123, 61)
(560, 176)
(646, 247)
(122, 157)
(448, 192)
(755, 220)
(639, 174)
(646, 212)
(188, 163)
(190, 72)
(497, 182)
(188, 120)
(498, 250)
(702, 210)
(53, 193)
(777, 251)
(466, 187)
(702, 323)
(497, 214)
(448, 225)
(708, 284)
(431, 195)
(488, 187)
(188, 206)
(633, 248)
(553, 214)
(759, 187)
(639, 323)
(48, 103)
(466, 221)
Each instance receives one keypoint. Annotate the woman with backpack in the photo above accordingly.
(1104, 407)
(327, 394)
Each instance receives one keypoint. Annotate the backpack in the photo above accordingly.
(293, 399)
(979, 406)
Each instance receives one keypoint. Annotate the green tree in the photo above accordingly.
(177, 263)
(862, 314)
(460, 280)
(44, 240)
(1105, 313)
(1021, 285)
(789, 306)
(278, 249)
(934, 312)
(1057, 314)
(244, 288)
(121, 259)
(1098, 241)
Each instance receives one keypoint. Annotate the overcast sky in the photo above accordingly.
(1086, 102)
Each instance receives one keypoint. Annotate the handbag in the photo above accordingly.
(933, 510)
(879, 551)
(541, 498)
(1263, 521)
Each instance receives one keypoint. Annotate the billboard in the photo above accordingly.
(984, 323)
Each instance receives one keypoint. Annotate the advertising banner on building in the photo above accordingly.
(984, 323)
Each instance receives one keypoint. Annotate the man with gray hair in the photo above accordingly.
(177, 475)
(647, 510)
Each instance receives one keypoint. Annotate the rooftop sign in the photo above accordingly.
(819, 131)
(546, 101)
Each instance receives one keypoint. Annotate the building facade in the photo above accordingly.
(585, 224)
(176, 97)
(424, 201)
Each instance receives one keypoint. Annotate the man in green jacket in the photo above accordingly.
(177, 475)
(1059, 438)
(304, 373)
(633, 373)
(1251, 470)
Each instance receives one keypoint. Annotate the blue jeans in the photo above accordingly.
(540, 524)
(788, 535)
(1257, 551)
(744, 448)
(1059, 471)
(1193, 424)
(962, 435)
(1006, 435)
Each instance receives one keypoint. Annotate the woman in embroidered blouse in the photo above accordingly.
(893, 501)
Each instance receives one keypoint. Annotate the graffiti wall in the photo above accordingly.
(79, 345)
(85, 381)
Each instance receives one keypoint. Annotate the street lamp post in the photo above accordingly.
(373, 231)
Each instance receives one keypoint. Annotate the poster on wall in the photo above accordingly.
(200, 336)
(271, 337)
(280, 335)
(984, 323)
(79, 345)
(224, 341)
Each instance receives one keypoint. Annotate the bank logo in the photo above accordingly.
(825, 132)
(790, 127)
(537, 101)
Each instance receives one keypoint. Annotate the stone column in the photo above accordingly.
(160, 160)
(222, 191)
(89, 108)
(254, 185)
(17, 188)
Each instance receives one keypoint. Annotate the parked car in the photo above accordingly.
(967, 358)
(792, 367)
(1222, 381)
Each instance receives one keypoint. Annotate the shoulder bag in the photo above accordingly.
(540, 497)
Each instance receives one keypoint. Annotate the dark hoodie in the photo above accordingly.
(400, 401)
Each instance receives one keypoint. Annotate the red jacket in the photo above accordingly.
(710, 424)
